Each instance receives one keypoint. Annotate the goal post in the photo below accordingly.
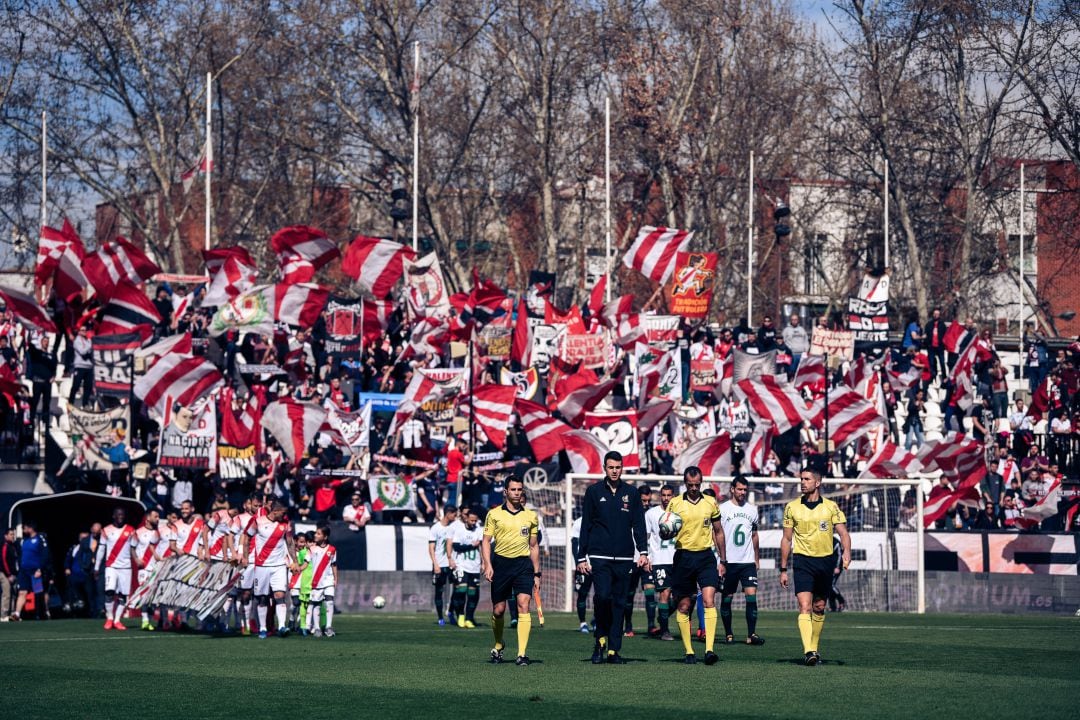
(885, 519)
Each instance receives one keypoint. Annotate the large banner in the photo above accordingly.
(236, 463)
(185, 582)
(833, 343)
(189, 436)
(618, 431)
(692, 284)
(440, 409)
(661, 328)
(99, 438)
(493, 340)
(113, 364)
(868, 312)
(425, 288)
(390, 492)
(545, 344)
(352, 429)
(344, 325)
(591, 350)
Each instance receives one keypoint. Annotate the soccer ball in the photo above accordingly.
(670, 525)
(379, 601)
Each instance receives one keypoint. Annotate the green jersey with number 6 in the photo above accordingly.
(739, 522)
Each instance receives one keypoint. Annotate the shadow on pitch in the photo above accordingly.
(800, 661)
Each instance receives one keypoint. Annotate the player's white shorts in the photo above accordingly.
(247, 577)
(271, 579)
(321, 594)
(118, 580)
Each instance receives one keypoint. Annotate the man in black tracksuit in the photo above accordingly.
(612, 541)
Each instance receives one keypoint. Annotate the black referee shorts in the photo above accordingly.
(693, 569)
(511, 577)
(745, 573)
(813, 574)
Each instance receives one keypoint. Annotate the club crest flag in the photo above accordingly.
(692, 284)
(390, 492)
(251, 311)
(425, 287)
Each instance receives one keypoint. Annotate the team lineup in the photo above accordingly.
(683, 552)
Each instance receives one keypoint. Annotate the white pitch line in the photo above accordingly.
(75, 639)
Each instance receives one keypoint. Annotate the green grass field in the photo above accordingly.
(398, 666)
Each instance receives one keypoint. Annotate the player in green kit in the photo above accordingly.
(300, 583)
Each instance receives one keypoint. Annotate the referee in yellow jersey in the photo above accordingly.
(695, 565)
(810, 521)
(512, 566)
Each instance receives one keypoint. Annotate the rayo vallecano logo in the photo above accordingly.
(393, 492)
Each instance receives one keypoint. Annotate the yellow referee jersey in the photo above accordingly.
(697, 520)
(510, 531)
(813, 526)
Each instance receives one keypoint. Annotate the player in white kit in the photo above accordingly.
(186, 539)
(218, 536)
(322, 556)
(147, 540)
(465, 543)
(662, 557)
(272, 538)
(117, 550)
(246, 587)
(442, 565)
(739, 519)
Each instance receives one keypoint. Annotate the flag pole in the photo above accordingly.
(415, 144)
(750, 246)
(44, 182)
(208, 159)
(886, 220)
(607, 195)
(1020, 275)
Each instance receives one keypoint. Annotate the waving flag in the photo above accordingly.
(52, 245)
(652, 413)
(293, 424)
(850, 416)
(423, 387)
(544, 432)
(233, 277)
(810, 373)
(304, 243)
(116, 262)
(69, 280)
(891, 461)
(574, 406)
(1044, 507)
(585, 451)
(128, 309)
(773, 401)
(375, 264)
(214, 259)
(758, 449)
(712, 455)
(522, 340)
(492, 406)
(654, 251)
(26, 310)
(182, 378)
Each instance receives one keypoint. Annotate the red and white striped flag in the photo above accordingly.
(115, 262)
(299, 305)
(891, 461)
(204, 166)
(859, 371)
(183, 378)
(1044, 507)
(966, 493)
(544, 432)
(215, 258)
(585, 451)
(240, 427)
(232, 277)
(492, 406)
(423, 387)
(654, 250)
(302, 250)
(375, 264)
(293, 424)
(810, 373)
(574, 406)
(652, 413)
(850, 415)
(771, 400)
(376, 318)
(179, 344)
(127, 310)
(963, 377)
(712, 455)
(758, 449)
(522, 340)
(945, 453)
(616, 310)
(26, 310)
(52, 244)
(69, 280)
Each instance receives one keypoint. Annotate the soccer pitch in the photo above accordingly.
(403, 666)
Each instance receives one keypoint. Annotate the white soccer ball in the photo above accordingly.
(379, 601)
(670, 525)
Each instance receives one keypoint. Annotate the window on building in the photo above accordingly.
(1030, 253)
(813, 270)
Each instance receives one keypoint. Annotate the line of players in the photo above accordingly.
(259, 539)
(454, 549)
(740, 522)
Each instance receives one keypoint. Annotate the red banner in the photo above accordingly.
(618, 431)
(692, 284)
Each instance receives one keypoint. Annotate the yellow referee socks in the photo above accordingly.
(683, 620)
(497, 629)
(818, 622)
(806, 632)
(710, 628)
(523, 627)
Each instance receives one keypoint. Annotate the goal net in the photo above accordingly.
(883, 517)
